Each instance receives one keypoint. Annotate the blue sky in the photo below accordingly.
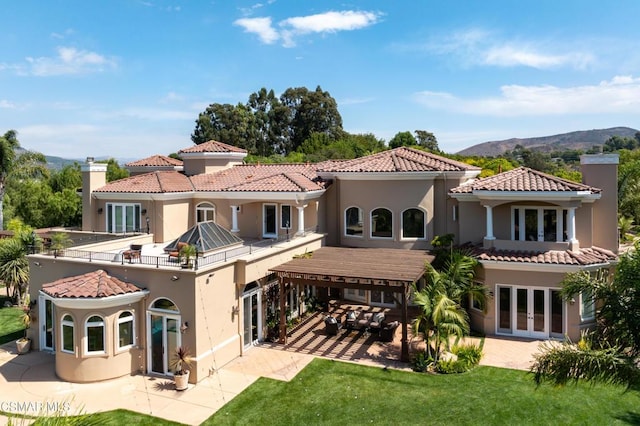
(127, 78)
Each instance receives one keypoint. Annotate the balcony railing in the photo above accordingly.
(165, 261)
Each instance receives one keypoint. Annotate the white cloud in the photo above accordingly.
(261, 27)
(355, 101)
(290, 28)
(477, 46)
(5, 104)
(619, 95)
(69, 61)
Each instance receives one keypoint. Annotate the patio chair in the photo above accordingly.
(176, 252)
(350, 320)
(388, 331)
(332, 325)
(376, 321)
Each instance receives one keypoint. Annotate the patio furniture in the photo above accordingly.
(376, 321)
(350, 320)
(176, 252)
(134, 252)
(388, 331)
(332, 325)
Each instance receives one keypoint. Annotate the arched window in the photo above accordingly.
(125, 330)
(95, 338)
(205, 212)
(165, 305)
(381, 223)
(67, 334)
(353, 221)
(413, 224)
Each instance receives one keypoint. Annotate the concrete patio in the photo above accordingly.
(30, 379)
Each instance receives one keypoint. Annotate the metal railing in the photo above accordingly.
(166, 261)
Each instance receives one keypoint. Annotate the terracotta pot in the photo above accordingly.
(182, 381)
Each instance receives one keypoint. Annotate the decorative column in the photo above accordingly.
(489, 235)
(301, 219)
(571, 225)
(234, 219)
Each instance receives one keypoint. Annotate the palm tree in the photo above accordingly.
(14, 268)
(8, 145)
(440, 301)
(612, 352)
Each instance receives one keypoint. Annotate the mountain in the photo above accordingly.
(582, 140)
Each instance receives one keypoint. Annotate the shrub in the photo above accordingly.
(451, 366)
(470, 354)
(420, 362)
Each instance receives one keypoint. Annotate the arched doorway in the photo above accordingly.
(252, 317)
(163, 335)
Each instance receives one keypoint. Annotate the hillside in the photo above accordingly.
(583, 140)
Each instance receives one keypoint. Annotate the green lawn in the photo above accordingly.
(329, 392)
(11, 327)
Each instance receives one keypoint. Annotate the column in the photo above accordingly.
(571, 225)
(489, 235)
(234, 219)
(301, 219)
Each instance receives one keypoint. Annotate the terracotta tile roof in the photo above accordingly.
(212, 146)
(261, 177)
(154, 182)
(401, 159)
(94, 284)
(523, 179)
(584, 256)
(155, 161)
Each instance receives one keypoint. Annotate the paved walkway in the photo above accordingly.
(30, 379)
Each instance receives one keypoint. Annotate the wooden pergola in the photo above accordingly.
(390, 270)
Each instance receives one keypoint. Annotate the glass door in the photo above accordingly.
(164, 339)
(530, 313)
(270, 221)
(47, 340)
(252, 321)
(355, 294)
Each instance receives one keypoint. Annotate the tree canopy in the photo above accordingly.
(267, 125)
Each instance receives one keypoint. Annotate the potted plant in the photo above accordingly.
(180, 362)
(59, 242)
(186, 253)
(23, 344)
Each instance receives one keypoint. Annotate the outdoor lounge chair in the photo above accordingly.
(388, 331)
(176, 252)
(332, 325)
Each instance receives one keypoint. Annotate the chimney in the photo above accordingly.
(93, 176)
(601, 171)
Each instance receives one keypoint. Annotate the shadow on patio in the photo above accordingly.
(362, 346)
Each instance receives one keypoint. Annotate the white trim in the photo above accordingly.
(582, 302)
(424, 225)
(536, 267)
(119, 320)
(344, 222)
(245, 196)
(94, 324)
(94, 167)
(399, 175)
(71, 324)
(166, 353)
(96, 302)
(205, 207)
(265, 234)
(213, 155)
(282, 216)
(584, 196)
(371, 236)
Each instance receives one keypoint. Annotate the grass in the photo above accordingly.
(330, 392)
(11, 326)
(107, 418)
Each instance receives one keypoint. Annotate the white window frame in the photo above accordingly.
(424, 225)
(110, 219)
(473, 302)
(282, 224)
(360, 220)
(371, 224)
(560, 214)
(266, 234)
(121, 320)
(587, 307)
(65, 323)
(95, 324)
(206, 207)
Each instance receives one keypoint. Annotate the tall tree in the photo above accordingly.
(225, 123)
(14, 266)
(268, 125)
(402, 139)
(8, 144)
(427, 140)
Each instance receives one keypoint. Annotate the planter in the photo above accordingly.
(23, 345)
(182, 381)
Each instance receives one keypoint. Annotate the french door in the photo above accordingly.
(164, 338)
(530, 312)
(252, 319)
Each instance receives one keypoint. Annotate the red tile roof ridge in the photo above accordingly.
(213, 146)
(155, 160)
(583, 256)
(94, 284)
